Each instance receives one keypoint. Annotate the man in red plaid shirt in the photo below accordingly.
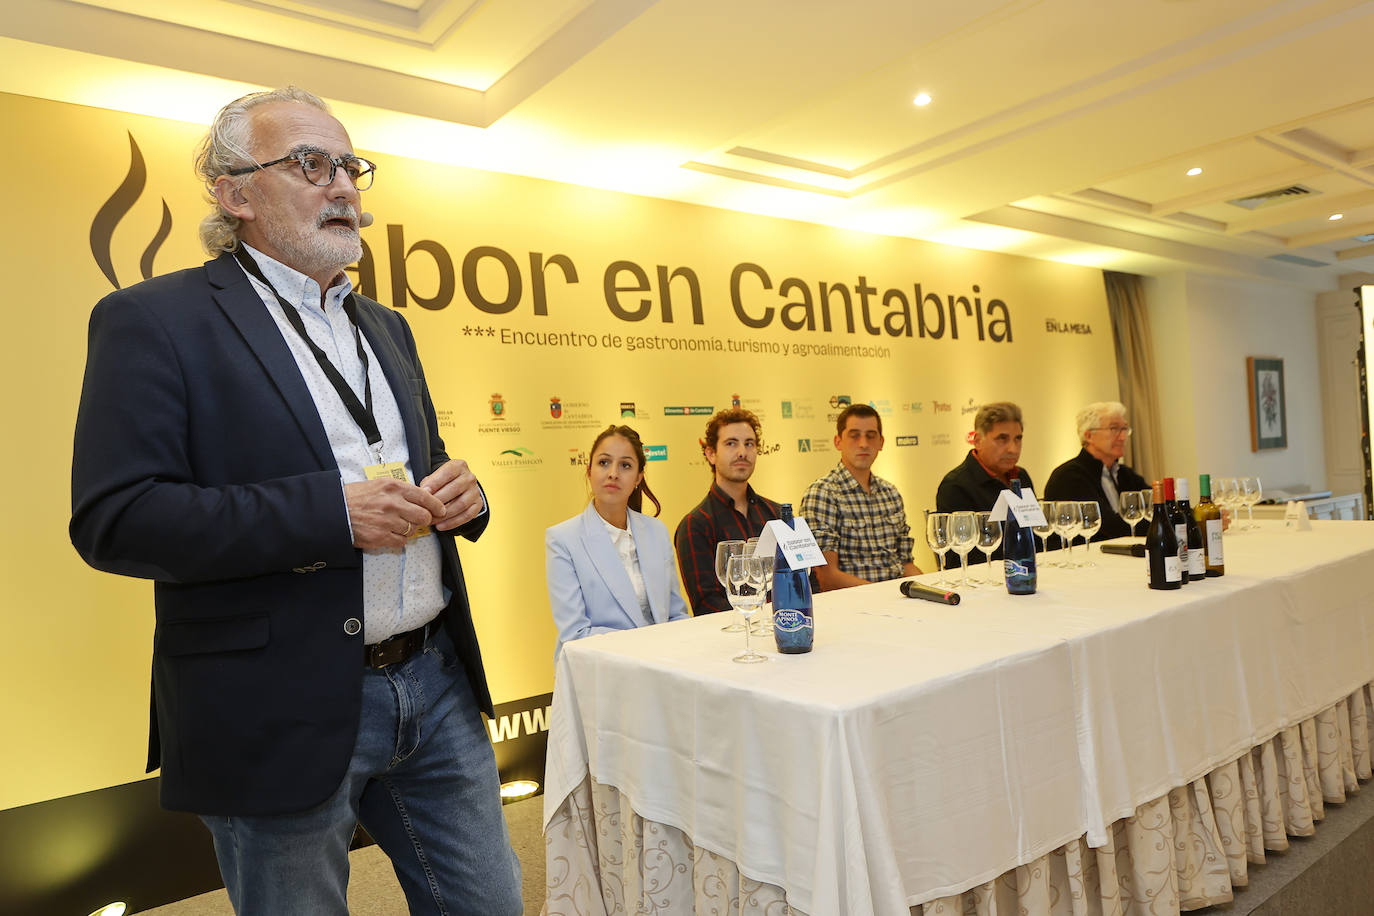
(730, 511)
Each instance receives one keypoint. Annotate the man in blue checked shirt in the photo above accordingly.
(858, 519)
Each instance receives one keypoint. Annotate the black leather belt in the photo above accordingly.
(399, 648)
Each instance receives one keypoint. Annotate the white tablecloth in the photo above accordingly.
(921, 750)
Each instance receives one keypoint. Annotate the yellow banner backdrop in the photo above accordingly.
(543, 313)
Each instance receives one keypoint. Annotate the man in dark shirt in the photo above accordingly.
(987, 470)
(731, 509)
(1097, 472)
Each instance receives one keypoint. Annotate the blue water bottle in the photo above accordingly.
(793, 625)
(1018, 552)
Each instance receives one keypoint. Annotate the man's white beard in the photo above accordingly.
(317, 252)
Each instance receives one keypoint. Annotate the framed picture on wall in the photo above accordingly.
(1268, 408)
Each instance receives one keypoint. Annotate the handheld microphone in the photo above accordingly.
(926, 593)
(364, 220)
(1125, 550)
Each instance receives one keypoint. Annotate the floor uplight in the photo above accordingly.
(517, 789)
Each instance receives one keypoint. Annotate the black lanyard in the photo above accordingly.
(361, 411)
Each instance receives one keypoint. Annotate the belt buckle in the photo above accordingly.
(396, 649)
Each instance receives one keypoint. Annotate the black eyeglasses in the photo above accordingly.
(313, 165)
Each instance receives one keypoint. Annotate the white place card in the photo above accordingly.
(798, 544)
(1295, 516)
(1026, 509)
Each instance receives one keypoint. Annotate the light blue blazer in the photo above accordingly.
(588, 587)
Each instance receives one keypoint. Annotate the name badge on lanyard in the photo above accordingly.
(396, 469)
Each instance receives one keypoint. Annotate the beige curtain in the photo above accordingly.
(1135, 370)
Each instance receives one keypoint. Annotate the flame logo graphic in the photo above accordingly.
(115, 209)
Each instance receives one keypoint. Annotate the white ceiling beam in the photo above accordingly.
(1309, 146)
(1362, 158)
(1329, 235)
(1350, 254)
(1183, 253)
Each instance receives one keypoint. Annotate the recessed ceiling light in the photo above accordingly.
(922, 99)
(1335, 216)
(1194, 171)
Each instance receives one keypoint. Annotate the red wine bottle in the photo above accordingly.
(1175, 517)
(1161, 545)
(1197, 561)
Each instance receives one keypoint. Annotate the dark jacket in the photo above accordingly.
(1080, 478)
(970, 488)
(201, 463)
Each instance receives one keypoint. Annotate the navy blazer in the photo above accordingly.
(589, 589)
(200, 462)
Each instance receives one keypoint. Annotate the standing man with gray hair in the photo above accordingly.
(259, 440)
(1097, 472)
(988, 469)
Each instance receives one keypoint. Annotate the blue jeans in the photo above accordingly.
(423, 782)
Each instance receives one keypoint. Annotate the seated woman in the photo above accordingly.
(612, 567)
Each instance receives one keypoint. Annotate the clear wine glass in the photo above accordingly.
(1091, 515)
(1131, 509)
(1227, 492)
(989, 539)
(1147, 506)
(1251, 492)
(963, 534)
(937, 538)
(724, 551)
(1068, 516)
(1045, 530)
(764, 624)
(745, 577)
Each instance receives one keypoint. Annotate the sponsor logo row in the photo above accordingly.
(559, 409)
(518, 458)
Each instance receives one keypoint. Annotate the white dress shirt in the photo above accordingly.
(624, 543)
(402, 587)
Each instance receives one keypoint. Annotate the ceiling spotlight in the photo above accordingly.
(111, 909)
(921, 100)
(1194, 171)
(1335, 216)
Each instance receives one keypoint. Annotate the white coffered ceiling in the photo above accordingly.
(1058, 129)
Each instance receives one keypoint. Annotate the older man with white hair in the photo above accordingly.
(259, 440)
(1097, 472)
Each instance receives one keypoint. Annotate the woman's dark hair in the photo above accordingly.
(629, 435)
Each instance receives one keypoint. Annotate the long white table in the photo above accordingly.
(923, 750)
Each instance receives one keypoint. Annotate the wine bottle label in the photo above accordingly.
(1197, 564)
(1014, 568)
(790, 620)
(1214, 554)
(1173, 570)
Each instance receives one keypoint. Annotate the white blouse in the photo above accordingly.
(624, 543)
